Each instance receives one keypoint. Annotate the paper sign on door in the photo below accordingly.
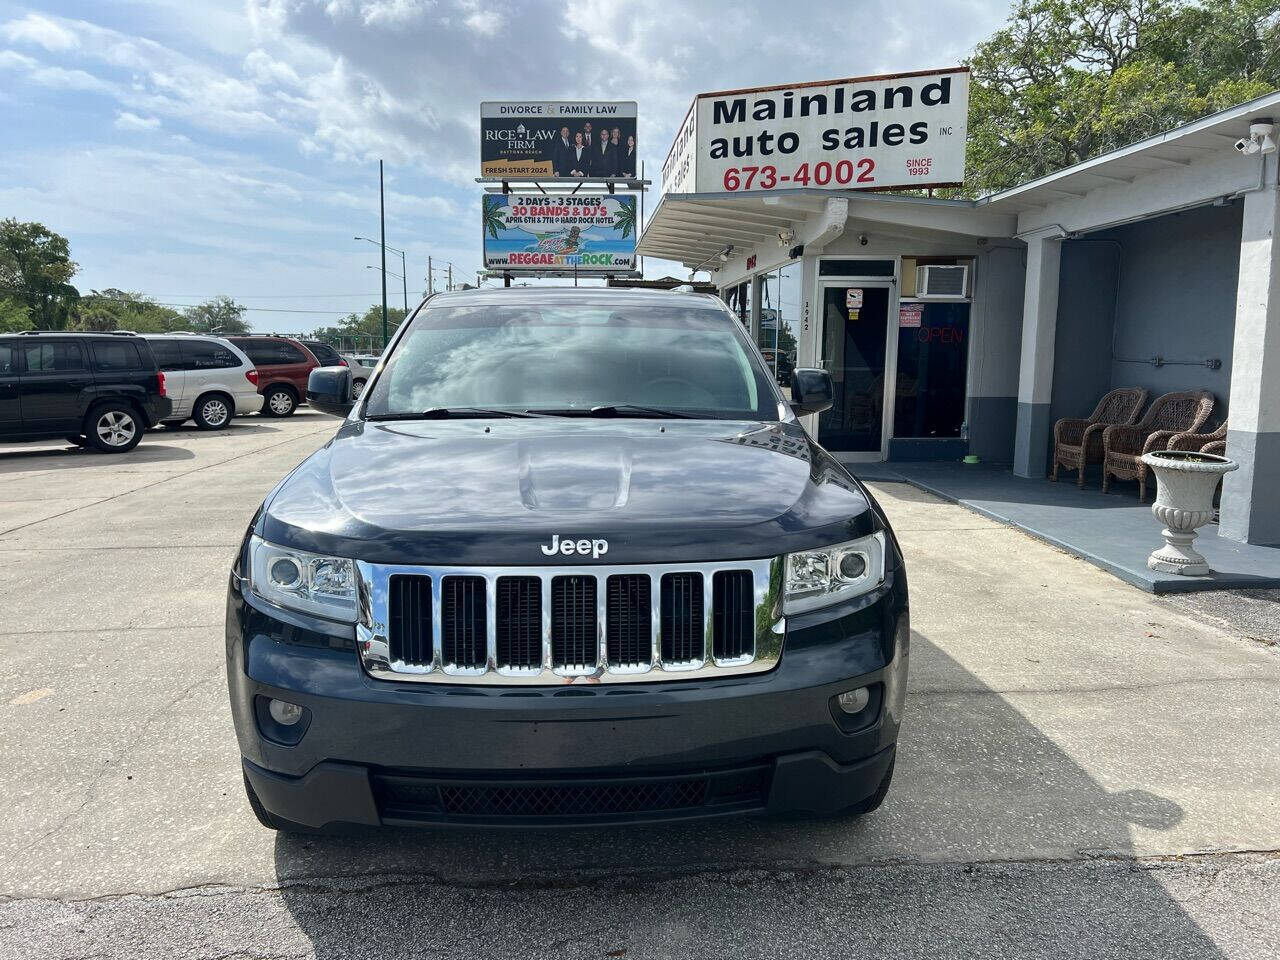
(853, 298)
(909, 314)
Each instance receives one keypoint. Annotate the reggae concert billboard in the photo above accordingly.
(586, 234)
(522, 138)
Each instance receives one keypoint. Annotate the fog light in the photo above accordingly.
(287, 714)
(851, 701)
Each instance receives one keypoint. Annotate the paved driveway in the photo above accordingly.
(1084, 771)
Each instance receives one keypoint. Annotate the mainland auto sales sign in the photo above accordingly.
(865, 133)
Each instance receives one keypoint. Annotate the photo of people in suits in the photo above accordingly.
(561, 148)
(579, 157)
(538, 139)
(627, 158)
(604, 157)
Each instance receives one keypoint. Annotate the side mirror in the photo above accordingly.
(811, 390)
(329, 390)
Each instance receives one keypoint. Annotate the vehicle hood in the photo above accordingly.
(490, 492)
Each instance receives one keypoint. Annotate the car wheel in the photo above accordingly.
(279, 402)
(113, 428)
(212, 412)
(357, 387)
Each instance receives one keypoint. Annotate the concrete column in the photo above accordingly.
(1250, 501)
(1035, 372)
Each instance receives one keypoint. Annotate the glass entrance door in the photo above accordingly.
(855, 320)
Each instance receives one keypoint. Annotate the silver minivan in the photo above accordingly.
(209, 379)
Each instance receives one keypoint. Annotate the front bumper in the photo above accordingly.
(378, 751)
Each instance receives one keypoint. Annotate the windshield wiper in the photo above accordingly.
(617, 410)
(446, 413)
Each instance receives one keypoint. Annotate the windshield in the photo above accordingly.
(566, 359)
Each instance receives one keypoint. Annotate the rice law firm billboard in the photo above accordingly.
(867, 133)
(583, 234)
(540, 139)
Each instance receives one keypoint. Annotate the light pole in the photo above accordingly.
(405, 284)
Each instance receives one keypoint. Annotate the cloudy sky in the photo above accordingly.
(195, 147)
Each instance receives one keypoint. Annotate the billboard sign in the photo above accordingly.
(867, 133)
(538, 138)
(586, 234)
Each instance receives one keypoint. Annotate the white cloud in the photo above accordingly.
(481, 18)
(131, 121)
(34, 28)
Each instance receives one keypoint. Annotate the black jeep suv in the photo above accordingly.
(571, 558)
(101, 390)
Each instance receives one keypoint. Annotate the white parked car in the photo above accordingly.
(209, 379)
(361, 365)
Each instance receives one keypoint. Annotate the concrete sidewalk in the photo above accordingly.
(1054, 714)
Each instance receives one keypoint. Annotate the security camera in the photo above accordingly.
(785, 237)
(862, 239)
(1260, 139)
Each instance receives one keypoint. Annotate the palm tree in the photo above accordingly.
(493, 216)
(625, 219)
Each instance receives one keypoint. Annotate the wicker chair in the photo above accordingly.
(1077, 443)
(1169, 415)
(1215, 442)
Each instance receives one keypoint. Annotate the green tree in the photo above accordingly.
(361, 332)
(113, 309)
(13, 316)
(221, 315)
(35, 271)
(1066, 80)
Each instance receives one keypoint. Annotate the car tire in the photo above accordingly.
(213, 411)
(114, 428)
(279, 402)
(357, 387)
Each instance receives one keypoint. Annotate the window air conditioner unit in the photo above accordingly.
(942, 282)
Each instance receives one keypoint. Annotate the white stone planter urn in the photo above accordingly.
(1185, 482)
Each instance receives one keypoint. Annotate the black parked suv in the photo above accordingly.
(325, 353)
(571, 558)
(101, 390)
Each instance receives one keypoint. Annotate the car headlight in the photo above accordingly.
(307, 582)
(817, 578)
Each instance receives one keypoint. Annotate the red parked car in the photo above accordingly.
(283, 365)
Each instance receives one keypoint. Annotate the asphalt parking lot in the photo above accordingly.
(1085, 770)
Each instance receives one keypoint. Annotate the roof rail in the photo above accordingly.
(77, 333)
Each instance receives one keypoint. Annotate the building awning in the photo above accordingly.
(694, 228)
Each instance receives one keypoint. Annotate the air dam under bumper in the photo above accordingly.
(374, 751)
(344, 793)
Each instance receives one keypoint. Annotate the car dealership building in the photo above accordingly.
(968, 327)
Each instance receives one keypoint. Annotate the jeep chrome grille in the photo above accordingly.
(548, 625)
